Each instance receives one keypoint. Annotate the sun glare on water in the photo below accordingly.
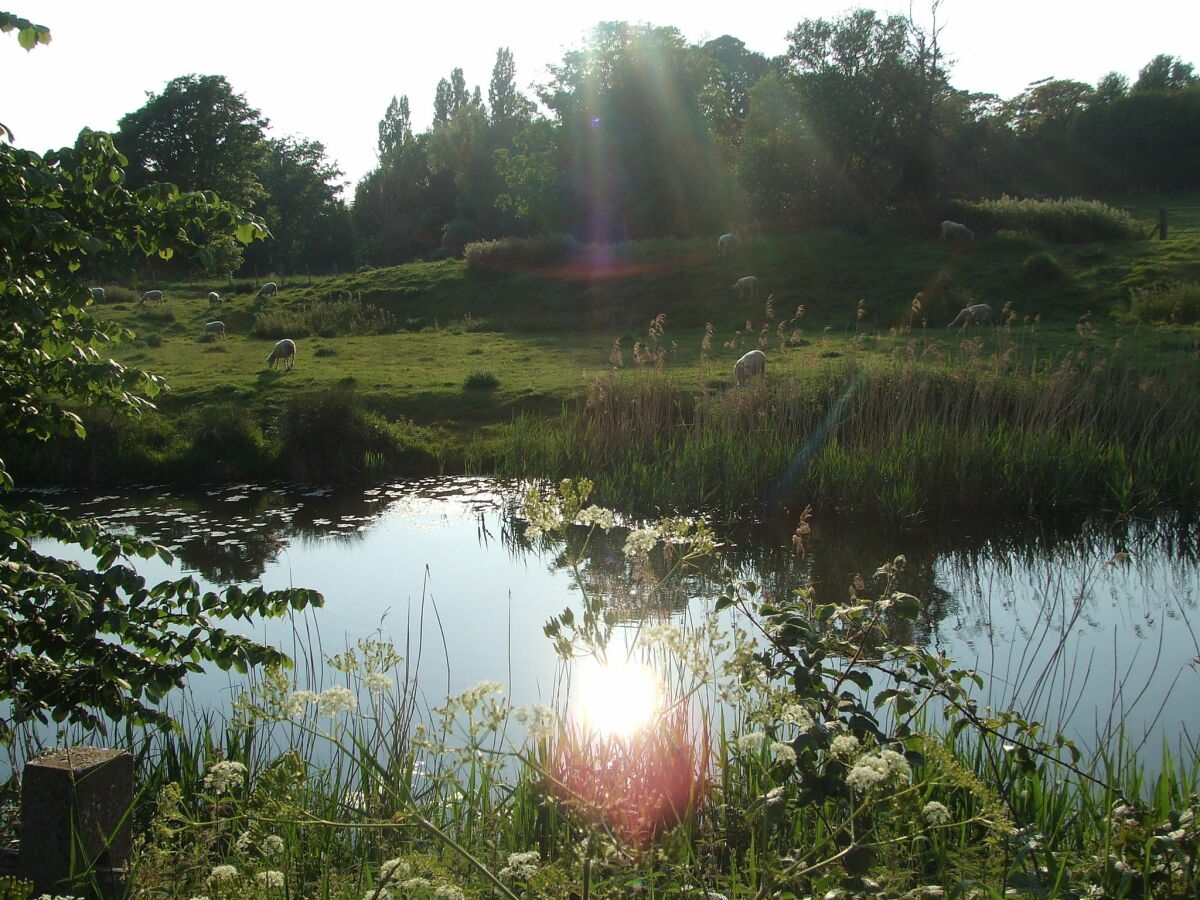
(616, 698)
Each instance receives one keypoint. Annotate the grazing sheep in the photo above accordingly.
(214, 299)
(952, 231)
(269, 288)
(97, 294)
(979, 314)
(726, 243)
(746, 287)
(753, 363)
(151, 297)
(215, 328)
(285, 351)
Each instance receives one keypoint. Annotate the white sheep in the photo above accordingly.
(726, 243)
(269, 288)
(214, 299)
(151, 297)
(978, 314)
(746, 287)
(952, 231)
(97, 294)
(753, 363)
(285, 352)
(215, 328)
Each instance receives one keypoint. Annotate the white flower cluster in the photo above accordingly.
(297, 704)
(223, 873)
(935, 813)
(597, 515)
(476, 696)
(394, 869)
(844, 745)
(522, 865)
(796, 714)
(336, 700)
(783, 753)
(544, 514)
(871, 771)
(271, 846)
(641, 540)
(751, 743)
(540, 721)
(270, 879)
(224, 776)
(377, 683)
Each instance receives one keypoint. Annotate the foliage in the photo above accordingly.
(482, 381)
(1178, 304)
(1071, 221)
(516, 254)
(91, 641)
(1042, 266)
(325, 318)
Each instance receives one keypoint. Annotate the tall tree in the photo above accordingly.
(197, 134)
(509, 109)
(395, 128)
(1165, 73)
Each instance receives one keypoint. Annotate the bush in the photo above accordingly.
(457, 234)
(514, 254)
(482, 381)
(344, 317)
(225, 442)
(1176, 303)
(1042, 267)
(1070, 221)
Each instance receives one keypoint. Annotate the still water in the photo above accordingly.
(1088, 630)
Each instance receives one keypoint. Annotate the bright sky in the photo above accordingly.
(327, 71)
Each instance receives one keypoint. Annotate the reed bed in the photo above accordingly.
(900, 440)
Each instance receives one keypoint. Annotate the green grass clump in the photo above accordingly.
(1041, 266)
(339, 318)
(1069, 221)
(515, 254)
(1178, 304)
(481, 381)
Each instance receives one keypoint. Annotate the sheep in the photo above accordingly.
(726, 243)
(285, 352)
(215, 328)
(978, 314)
(753, 363)
(952, 231)
(214, 299)
(151, 297)
(746, 287)
(269, 288)
(97, 294)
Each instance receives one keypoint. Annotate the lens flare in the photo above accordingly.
(616, 698)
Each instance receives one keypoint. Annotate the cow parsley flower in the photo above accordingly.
(336, 700)
(844, 745)
(640, 541)
(377, 683)
(796, 714)
(866, 773)
(751, 743)
(271, 846)
(935, 813)
(782, 753)
(522, 865)
(270, 879)
(223, 873)
(224, 776)
(597, 515)
(298, 703)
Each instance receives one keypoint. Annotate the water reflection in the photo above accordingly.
(1091, 628)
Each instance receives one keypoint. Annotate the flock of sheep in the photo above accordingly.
(755, 362)
(284, 351)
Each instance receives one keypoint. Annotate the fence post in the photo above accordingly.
(1162, 223)
(75, 833)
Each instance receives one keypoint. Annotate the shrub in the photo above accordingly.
(509, 254)
(457, 234)
(1042, 267)
(1177, 303)
(115, 293)
(1070, 221)
(482, 381)
(225, 442)
(344, 317)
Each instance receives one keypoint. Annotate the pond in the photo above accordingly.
(1090, 631)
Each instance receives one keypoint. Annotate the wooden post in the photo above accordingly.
(1162, 223)
(75, 832)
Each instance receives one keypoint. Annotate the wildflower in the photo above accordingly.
(380, 893)
(539, 719)
(336, 700)
(843, 745)
(270, 879)
(935, 813)
(522, 865)
(641, 541)
(242, 844)
(224, 776)
(782, 753)
(393, 869)
(774, 796)
(297, 705)
(751, 743)
(413, 885)
(271, 846)
(597, 515)
(448, 892)
(223, 873)
(866, 773)
(796, 714)
(377, 683)
(896, 765)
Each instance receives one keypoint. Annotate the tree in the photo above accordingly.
(1165, 73)
(198, 135)
(510, 110)
(395, 128)
(81, 642)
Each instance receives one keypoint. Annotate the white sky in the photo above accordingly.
(327, 71)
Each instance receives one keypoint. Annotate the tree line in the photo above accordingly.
(641, 134)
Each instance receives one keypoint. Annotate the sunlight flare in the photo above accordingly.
(616, 697)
